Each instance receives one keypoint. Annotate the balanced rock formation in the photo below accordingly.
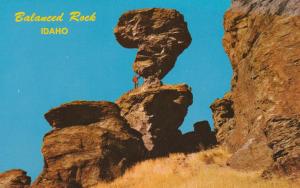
(94, 141)
(160, 36)
(262, 40)
(15, 178)
(157, 114)
(91, 142)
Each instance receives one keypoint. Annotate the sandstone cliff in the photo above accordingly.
(259, 119)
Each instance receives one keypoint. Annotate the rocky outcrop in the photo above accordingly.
(81, 113)
(223, 114)
(91, 142)
(160, 36)
(262, 40)
(157, 114)
(14, 179)
(200, 139)
(156, 110)
(94, 141)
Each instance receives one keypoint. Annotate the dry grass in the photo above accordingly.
(200, 170)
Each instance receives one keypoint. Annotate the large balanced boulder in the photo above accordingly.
(160, 36)
(157, 114)
(15, 178)
(94, 143)
(262, 40)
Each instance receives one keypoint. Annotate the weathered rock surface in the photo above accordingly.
(201, 138)
(283, 135)
(160, 36)
(262, 40)
(15, 178)
(81, 113)
(157, 114)
(223, 114)
(95, 144)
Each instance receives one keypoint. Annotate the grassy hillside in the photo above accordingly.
(199, 170)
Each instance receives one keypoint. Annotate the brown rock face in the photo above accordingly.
(283, 135)
(96, 144)
(14, 179)
(223, 114)
(160, 36)
(157, 113)
(262, 40)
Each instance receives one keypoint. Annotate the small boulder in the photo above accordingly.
(201, 138)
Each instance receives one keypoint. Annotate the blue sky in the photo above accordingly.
(40, 72)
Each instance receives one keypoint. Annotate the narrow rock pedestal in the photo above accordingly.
(157, 114)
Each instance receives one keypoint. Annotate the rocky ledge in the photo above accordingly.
(15, 178)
